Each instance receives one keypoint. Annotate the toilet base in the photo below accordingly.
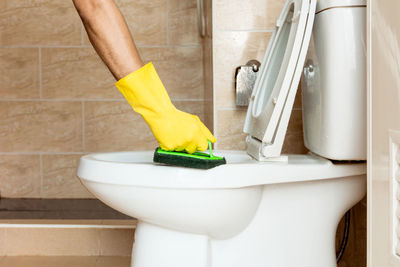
(157, 246)
(295, 225)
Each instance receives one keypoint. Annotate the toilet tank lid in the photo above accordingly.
(327, 4)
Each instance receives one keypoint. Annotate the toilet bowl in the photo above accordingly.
(261, 208)
(244, 213)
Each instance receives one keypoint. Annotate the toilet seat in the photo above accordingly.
(276, 85)
(136, 168)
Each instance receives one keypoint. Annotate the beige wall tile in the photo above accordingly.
(59, 177)
(65, 261)
(116, 242)
(230, 132)
(2, 243)
(147, 20)
(76, 73)
(295, 122)
(19, 68)
(41, 126)
(230, 129)
(355, 254)
(42, 22)
(67, 242)
(208, 69)
(209, 115)
(19, 176)
(192, 107)
(232, 49)
(298, 100)
(180, 69)
(49, 261)
(182, 22)
(79, 73)
(113, 126)
(113, 261)
(250, 14)
(52, 241)
(293, 144)
(208, 17)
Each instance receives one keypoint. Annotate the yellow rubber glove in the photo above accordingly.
(173, 129)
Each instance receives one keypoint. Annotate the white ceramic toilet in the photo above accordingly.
(261, 209)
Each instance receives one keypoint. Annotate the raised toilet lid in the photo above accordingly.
(276, 85)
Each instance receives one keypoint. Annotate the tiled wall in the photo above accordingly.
(57, 99)
(241, 33)
(208, 65)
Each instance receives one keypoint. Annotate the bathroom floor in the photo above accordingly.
(63, 261)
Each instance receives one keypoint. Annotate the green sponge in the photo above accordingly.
(196, 160)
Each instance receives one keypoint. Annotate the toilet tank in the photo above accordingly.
(334, 82)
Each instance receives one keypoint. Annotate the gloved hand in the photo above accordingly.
(173, 129)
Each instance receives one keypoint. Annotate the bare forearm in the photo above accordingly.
(109, 35)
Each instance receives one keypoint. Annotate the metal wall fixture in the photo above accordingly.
(245, 78)
(201, 20)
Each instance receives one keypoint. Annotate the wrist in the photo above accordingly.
(144, 90)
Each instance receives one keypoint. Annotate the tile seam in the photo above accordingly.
(66, 226)
(40, 153)
(40, 73)
(90, 46)
(87, 100)
(83, 127)
(41, 174)
(245, 30)
(213, 56)
(43, 46)
(98, 237)
(230, 108)
(168, 30)
(199, 45)
(238, 108)
(82, 35)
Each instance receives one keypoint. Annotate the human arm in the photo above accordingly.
(109, 35)
(141, 86)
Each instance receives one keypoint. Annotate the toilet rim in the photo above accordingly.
(104, 168)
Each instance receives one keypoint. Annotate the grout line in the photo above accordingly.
(83, 127)
(61, 100)
(168, 39)
(21, 225)
(42, 46)
(230, 108)
(214, 115)
(82, 35)
(40, 72)
(42, 153)
(245, 108)
(89, 100)
(172, 46)
(188, 99)
(89, 46)
(41, 174)
(245, 30)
